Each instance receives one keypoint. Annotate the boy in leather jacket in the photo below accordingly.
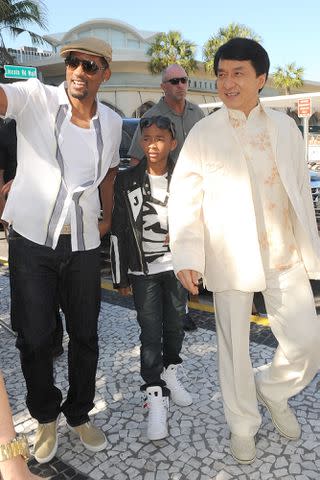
(141, 263)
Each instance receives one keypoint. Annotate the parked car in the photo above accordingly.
(129, 126)
(314, 171)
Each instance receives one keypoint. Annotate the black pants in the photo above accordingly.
(40, 276)
(160, 301)
(58, 333)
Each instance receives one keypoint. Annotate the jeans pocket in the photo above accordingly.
(13, 235)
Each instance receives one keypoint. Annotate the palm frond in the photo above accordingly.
(223, 35)
(18, 15)
(169, 48)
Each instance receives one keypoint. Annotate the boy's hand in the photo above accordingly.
(124, 291)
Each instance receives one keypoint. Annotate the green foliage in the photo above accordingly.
(169, 48)
(17, 15)
(224, 34)
(288, 77)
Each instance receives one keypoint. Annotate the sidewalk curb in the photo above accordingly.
(3, 261)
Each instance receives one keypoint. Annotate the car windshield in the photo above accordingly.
(129, 126)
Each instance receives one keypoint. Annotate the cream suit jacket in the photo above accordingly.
(211, 212)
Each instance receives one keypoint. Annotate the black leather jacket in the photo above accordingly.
(126, 231)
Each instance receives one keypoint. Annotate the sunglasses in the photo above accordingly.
(175, 81)
(88, 66)
(160, 122)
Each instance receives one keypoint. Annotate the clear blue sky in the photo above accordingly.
(289, 29)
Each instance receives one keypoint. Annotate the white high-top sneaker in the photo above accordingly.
(179, 394)
(158, 412)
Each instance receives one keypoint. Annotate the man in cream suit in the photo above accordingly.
(247, 224)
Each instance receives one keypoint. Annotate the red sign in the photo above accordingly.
(304, 107)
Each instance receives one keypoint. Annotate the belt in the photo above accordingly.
(66, 230)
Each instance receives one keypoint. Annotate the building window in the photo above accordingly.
(131, 43)
(85, 33)
(118, 39)
(100, 33)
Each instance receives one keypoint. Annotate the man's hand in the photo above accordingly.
(6, 188)
(3, 102)
(190, 280)
(106, 195)
(124, 291)
(104, 227)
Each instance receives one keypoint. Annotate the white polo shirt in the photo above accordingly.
(39, 199)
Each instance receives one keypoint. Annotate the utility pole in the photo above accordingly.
(306, 137)
(304, 112)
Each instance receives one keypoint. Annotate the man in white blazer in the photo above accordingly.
(241, 207)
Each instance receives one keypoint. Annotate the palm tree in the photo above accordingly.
(288, 77)
(233, 30)
(16, 16)
(169, 48)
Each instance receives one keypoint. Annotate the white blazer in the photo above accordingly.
(211, 212)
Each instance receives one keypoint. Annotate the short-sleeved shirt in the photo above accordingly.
(183, 123)
(8, 149)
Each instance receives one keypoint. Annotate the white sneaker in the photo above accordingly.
(243, 449)
(158, 413)
(283, 418)
(179, 394)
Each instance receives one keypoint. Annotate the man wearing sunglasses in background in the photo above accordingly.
(68, 147)
(173, 105)
(182, 113)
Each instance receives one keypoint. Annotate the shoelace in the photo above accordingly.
(160, 412)
(178, 385)
(146, 403)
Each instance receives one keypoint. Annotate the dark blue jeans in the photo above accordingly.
(39, 276)
(160, 301)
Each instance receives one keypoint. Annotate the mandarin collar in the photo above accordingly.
(238, 118)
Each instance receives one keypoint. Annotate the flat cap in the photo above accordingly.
(90, 45)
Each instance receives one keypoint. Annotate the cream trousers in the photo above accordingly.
(294, 322)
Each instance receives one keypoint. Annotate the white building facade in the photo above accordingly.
(132, 89)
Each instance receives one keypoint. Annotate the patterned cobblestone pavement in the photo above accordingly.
(198, 445)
